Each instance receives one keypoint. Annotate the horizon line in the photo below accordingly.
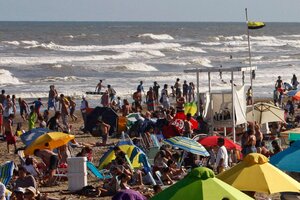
(116, 21)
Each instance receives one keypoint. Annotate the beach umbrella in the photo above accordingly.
(29, 136)
(135, 155)
(256, 174)
(182, 116)
(200, 184)
(294, 93)
(288, 159)
(128, 194)
(265, 112)
(187, 144)
(51, 141)
(190, 107)
(212, 141)
(132, 118)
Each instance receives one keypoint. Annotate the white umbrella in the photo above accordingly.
(264, 113)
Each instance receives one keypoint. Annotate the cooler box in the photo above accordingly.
(77, 165)
(76, 181)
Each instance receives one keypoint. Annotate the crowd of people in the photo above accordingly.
(163, 104)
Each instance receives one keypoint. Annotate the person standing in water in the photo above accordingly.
(294, 82)
(99, 87)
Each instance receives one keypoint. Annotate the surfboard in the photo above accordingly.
(94, 93)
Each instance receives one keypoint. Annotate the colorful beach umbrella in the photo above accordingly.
(288, 159)
(190, 107)
(256, 174)
(51, 141)
(265, 112)
(136, 156)
(294, 93)
(212, 141)
(128, 194)
(187, 144)
(182, 116)
(200, 184)
(132, 118)
(31, 135)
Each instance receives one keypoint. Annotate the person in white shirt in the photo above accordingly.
(222, 156)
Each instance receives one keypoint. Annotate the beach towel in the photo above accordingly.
(6, 172)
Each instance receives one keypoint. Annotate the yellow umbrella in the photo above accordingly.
(254, 173)
(49, 141)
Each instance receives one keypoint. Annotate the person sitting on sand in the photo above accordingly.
(51, 161)
(24, 180)
(53, 124)
(166, 176)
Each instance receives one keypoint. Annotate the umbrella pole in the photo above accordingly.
(233, 107)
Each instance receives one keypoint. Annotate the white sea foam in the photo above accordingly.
(118, 48)
(192, 49)
(7, 78)
(32, 42)
(57, 66)
(15, 43)
(202, 61)
(137, 67)
(157, 36)
(68, 59)
(210, 43)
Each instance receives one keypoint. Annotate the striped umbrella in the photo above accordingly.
(187, 144)
(294, 93)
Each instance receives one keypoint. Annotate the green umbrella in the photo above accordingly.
(201, 184)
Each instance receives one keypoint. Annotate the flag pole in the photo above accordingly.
(250, 64)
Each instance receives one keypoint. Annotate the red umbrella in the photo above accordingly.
(182, 116)
(211, 141)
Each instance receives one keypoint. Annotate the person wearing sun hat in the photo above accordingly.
(30, 193)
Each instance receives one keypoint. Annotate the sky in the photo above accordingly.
(150, 10)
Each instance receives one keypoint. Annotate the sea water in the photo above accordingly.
(74, 56)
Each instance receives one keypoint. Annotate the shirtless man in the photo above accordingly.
(250, 143)
(1, 119)
(99, 87)
(64, 110)
(104, 128)
(187, 129)
(279, 83)
(52, 97)
(51, 161)
(10, 136)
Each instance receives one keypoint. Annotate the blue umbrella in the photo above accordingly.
(29, 136)
(292, 93)
(187, 144)
(288, 160)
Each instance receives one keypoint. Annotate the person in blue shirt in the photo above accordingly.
(37, 106)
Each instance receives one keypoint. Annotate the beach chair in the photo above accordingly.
(158, 176)
(21, 156)
(61, 173)
(6, 172)
(102, 174)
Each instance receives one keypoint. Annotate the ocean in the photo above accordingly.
(74, 56)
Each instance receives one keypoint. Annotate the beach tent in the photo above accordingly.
(136, 156)
(288, 159)
(256, 174)
(107, 115)
(29, 136)
(201, 184)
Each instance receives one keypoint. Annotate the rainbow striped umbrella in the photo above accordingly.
(187, 144)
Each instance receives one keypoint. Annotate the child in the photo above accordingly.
(10, 137)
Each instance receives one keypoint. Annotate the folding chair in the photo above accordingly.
(158, 176)
(99, 174)
(6, 172)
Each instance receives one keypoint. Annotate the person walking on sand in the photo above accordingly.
(111, 92)
(72, 108)
(165, 97)
(99, 87)
(156, 91)
(10, 136)
(222, 156)
(52, 96)
(249, 96)
(37, 106)
(279, 84)
(23, 108)
(185, 90)
(83, 108)
(32, 118)
(150, 99)
(104, 129)
(64, 108)
(294, 82)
